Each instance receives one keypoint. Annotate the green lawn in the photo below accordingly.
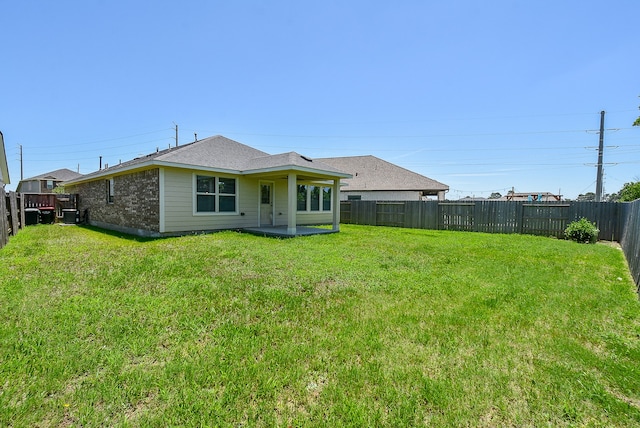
(368, 327)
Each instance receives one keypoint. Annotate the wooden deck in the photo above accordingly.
(281, 231)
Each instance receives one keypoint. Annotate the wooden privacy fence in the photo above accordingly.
(630, 237)
(547, 219)
(4, 219)
(10, 221)
(617, 221)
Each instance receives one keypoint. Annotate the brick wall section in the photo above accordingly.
(136, 201)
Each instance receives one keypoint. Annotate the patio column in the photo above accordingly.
(292, 202)
(335, 195)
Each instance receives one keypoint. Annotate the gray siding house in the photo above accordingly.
(45, 183)
(211, 184)
(374, 179)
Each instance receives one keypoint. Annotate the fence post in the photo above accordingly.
(15, 215)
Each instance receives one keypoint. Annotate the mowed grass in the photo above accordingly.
(369, 327)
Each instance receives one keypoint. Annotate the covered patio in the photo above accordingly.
(293, 174)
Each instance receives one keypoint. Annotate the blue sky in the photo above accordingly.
(482, 96)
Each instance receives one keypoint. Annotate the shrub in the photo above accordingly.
(582, 231)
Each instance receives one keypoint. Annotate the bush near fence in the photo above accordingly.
(617, 221)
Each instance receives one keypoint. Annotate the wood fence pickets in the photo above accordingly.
(4, 218)
(13, 211)
(413, 216)
(345, 212)
(429, 218)
(390, 214)
(549, 218)
(630, 238)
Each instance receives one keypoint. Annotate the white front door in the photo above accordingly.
(266, 204)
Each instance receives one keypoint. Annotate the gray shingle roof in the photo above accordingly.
(218, 153)
(372, 173)
(63, 174)
(213, 152)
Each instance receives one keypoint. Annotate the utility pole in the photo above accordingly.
(21, 165)
(176, 133)
(600, 150)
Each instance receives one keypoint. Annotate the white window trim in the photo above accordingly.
(321, 209)
(194, 194)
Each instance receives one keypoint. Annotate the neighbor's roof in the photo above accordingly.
(372, 173)
(4, 168)
(63, 174)
(218, 153)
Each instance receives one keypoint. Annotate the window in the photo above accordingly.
(215, 194)
(265, 194)
(50, 184)
(314, 192)
(302, 197)
(326, 199)
(354, 197)
(110, 190)
(314, 198)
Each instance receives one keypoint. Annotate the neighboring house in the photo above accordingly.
(45, 183)
(473, 199)
(4, 167)
(376, 179)
(211, 184)
(531, 197)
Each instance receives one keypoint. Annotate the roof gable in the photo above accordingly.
(372, 173)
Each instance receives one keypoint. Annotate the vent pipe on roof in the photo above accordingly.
(100, 162)
(195, 135)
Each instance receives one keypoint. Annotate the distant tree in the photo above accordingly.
(613, 197)
(637, 122)
(495, 195)
(587, 197)
(629, 192)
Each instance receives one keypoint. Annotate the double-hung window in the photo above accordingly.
(314, 198)
(215, 194)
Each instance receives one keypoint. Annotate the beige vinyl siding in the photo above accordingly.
(314, 218)
(178, 204)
